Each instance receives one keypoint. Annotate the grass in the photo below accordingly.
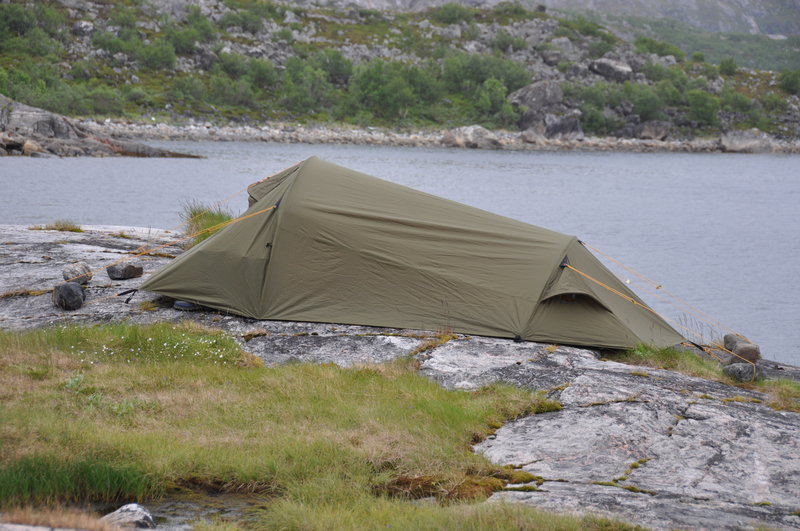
(62, 225)
(200, 220)
(23, 293)
(672, 360)
(123, 412)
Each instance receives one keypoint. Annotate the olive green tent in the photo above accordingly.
(323, 243)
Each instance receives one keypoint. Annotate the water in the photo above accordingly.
(719, 231)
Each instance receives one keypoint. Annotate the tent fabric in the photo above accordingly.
(345, 247)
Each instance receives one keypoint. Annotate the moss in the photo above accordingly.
(739, 398)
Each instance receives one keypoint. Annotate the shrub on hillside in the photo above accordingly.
(727, 67)
(649, 45)
(159, 56)
(451, 13)
(789, 80)
(703, 106)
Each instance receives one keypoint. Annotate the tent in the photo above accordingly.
(323, 243)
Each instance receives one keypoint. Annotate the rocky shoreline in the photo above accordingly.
(653, 447)
(475, 137)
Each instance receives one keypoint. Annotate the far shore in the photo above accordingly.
(748, 141)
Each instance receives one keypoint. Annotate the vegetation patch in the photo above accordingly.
(124, 412)
(62, 225)
(202, 221)
(23, 293)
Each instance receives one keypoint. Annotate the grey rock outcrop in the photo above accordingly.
(130, 515)
(68, 296)
(471, 136)
(124, 271)
(654, 130)
(564, 127)
(611, 69)
(78, 272)
(749, 141)
(653, 447)
(26, 130)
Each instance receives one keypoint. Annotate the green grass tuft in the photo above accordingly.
(203, 221)
(38, 479)
(61, 225)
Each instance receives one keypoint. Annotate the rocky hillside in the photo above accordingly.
(735, 16)
(507, 66)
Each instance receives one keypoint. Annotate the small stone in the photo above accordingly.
(69, 296)
(78, 272)
(730, 340)
(744, 372)
(747, 350)
(124, 271)
(130, 515)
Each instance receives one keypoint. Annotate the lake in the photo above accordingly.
(720, 231)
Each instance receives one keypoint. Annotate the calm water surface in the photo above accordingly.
(719, 231)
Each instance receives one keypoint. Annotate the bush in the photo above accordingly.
(599, 49)
(335, 65)
(187, 88)
(703, 106)
(491, 102)
(183, 40)
(382, 88)
(727, 67)
(668, 93)
(233, 64)
(503, 41)
(595, 122)
(226, 91)
(464, 73)
(646, 102)
(771, 102)
(789, 80)
(648, 45)
(698, 57)
(261, 73)
(105, 101)
(451, 13)
(731, 100)
(511, 10)
(306, 89)
(159, 56)
(205, 30)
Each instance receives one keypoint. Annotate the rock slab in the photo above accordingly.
(654, 447)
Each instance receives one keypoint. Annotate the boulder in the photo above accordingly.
(472, 136)
(538, 95)
(654, 130)
(743, 372)
(130, 515)
(564, 127)
(69, 296)
(749, 141)
(729, 340)
(747, 350)
(78, 272)
(29, 147)
(611, 69)
(124, 271)
(83, 28)
(550, 57)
